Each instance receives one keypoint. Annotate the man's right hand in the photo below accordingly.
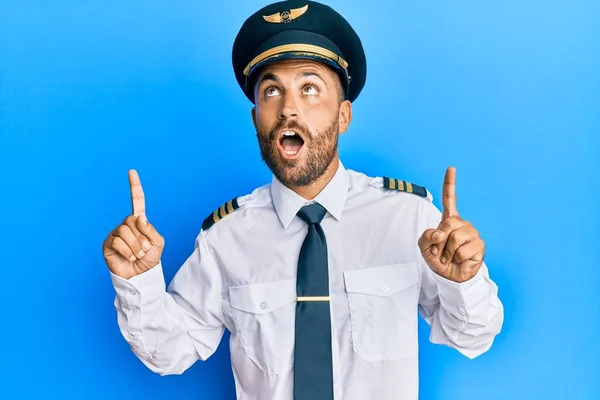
(134, 246)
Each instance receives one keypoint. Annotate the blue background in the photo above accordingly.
(508, 92)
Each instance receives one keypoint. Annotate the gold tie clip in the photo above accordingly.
(314, 298)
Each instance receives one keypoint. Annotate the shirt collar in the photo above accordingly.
(333, 196)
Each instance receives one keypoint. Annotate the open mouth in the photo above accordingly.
(290, 144)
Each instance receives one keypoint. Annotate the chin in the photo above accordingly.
(292, 176)
(297, 176)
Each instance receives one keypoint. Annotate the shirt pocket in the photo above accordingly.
(383, 304)
(264, 318)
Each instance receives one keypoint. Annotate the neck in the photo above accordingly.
(311, 190)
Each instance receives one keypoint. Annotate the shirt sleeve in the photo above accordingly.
(466, 316)
(169, 329)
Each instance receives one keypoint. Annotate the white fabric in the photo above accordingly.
(241, 277)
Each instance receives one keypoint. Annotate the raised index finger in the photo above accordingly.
(138, 202)
(449, 194)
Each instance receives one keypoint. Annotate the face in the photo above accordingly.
(298, 116)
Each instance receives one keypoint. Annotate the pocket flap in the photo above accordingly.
(262, 298)
(381, 281)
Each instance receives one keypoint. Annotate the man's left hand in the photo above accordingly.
(454, 250)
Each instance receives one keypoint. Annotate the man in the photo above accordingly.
(320, 275)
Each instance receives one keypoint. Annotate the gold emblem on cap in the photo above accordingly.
(285, 16)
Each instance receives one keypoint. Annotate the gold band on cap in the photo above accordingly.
(308, 49)
(314, 298)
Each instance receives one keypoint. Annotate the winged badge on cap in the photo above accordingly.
(285, 16)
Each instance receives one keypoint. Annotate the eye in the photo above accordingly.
(310, 90)
(271, 91)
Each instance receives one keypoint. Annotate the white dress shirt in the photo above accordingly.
(241, 277)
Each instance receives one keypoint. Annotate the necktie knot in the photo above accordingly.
(312, 214)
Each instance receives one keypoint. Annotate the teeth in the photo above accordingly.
(291, 152)
(289, 133)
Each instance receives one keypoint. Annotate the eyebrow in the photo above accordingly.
(267, 77)
(304, 74)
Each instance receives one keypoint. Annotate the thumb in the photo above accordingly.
(429, 238)
(149, 231)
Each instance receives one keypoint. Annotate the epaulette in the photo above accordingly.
(403, 186)
(220, 213)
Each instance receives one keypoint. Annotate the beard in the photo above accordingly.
(318, 151)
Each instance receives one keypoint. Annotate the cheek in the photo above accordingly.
(319, 117)
(266, 116)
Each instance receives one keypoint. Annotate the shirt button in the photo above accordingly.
(262, 305)
(386, 288)
(132, 292)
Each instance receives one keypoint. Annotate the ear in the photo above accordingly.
(253, 112)
(345, 116)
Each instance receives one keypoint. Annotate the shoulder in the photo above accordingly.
(236, 206)
(385, 185)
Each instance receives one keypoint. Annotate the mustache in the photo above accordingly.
(291, 125)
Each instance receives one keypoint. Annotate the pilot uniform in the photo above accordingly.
(244, 273)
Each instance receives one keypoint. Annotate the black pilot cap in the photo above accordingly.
(299, 29)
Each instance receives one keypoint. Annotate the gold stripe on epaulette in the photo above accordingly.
(220, 212)
(404, 186)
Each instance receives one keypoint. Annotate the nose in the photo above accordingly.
(289, 108)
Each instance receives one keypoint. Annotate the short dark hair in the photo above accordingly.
(338, 83)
